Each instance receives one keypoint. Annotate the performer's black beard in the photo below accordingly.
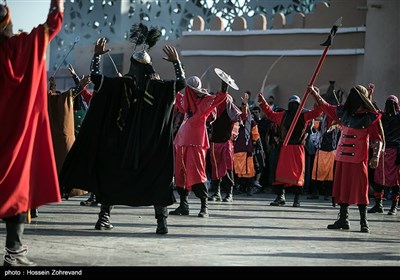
(353, 101)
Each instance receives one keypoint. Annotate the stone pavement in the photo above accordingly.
(245, 233)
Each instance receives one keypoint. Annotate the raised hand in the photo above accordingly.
(261, 99)
(71, 70)
(171, 52)
(100, 47)
(245, 98)
(84, 81)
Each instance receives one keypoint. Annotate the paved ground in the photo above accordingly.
(245, 233)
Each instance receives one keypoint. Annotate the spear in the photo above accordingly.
(326, 44)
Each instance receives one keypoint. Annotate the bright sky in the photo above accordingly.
(27, 14)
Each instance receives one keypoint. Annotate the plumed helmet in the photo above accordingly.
(294, 98)
(140, 34)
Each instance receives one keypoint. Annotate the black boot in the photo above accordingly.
(34, 213)
(91, 201)
(183, 208)
(215, 184)
(378, 207)
(393, 209)
(362, 208)
(161, 214)
(229, 195)
(296, 202)
(315, 186)
(200, 190)
(280, 197)
(343, 221)
(103, 223)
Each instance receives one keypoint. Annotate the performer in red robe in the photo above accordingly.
(361, 125)
(191, 144)
(28, 174)
(291, 162)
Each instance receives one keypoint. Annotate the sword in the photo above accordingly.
(205, 72)
(326, 44)
(269, 72)
(113, 63)
(77, 38)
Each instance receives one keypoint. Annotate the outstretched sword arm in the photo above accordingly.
(327, 44)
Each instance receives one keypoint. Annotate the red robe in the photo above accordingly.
(28, 174)
(290, 169)
(191, 141)
(350, 183)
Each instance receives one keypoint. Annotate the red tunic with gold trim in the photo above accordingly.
(28, 174)
(350, 184)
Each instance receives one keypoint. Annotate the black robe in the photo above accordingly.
(124, 150)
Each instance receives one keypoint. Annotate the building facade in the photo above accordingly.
(248, 47)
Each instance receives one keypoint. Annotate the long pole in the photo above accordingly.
(77, 38)
(327, 44)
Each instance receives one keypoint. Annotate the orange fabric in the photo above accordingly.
(323, 165)
(244, 165)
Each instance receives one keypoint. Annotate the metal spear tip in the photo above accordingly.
(338, 22)
(77, 39)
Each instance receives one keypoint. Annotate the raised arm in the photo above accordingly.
(55, 18)
(173, 56)
(99, 50)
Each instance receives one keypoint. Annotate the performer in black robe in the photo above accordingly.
(124, 151)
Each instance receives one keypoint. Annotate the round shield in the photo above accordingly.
(226, 78)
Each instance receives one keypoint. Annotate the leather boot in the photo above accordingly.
(161, 214)
(34, 213)
(183, 208)
(229, 195)
(296, 202)
(378, 207)
(393, 209)
(215, 184)
(362, 208)
(343, 221)
(200, 191)
(103, 223)
(280, 197)
(395, 200)
(91, 201)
